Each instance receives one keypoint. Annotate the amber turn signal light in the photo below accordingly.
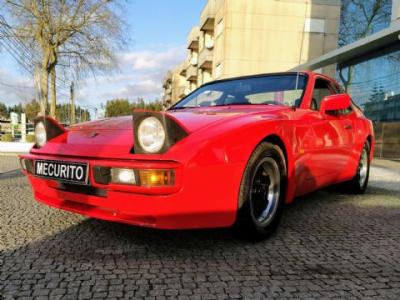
(152, 178)
(129, 176)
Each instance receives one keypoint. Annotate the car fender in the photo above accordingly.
(231, 144)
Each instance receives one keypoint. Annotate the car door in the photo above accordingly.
(333, 132)
(324, 145)
(344, 120)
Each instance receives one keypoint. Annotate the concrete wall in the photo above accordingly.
(273, 36)
(243, 37)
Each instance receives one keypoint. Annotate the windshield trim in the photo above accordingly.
(173, 107)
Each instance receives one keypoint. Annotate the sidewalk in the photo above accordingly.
(14, 148)
(387, 164)
(385, 174)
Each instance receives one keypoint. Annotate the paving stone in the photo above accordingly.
(329, 245)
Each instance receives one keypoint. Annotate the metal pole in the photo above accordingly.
(23, 127)
(383, 136)
(72, 103)
(395, 10)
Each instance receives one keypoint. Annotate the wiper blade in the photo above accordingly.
(233, 104)
(182, 107)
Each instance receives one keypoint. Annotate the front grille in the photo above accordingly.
(82, 189)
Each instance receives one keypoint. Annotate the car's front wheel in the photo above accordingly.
(262, 192)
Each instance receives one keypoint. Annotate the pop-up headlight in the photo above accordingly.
(46, 129)
(155, 132)
(151, 135)
(40, 134)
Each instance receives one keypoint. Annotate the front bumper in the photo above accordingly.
(190, 203)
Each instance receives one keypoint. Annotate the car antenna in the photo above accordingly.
(295, 88)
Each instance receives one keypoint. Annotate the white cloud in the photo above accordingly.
(140, 75)
(15, 88)
(156, 60)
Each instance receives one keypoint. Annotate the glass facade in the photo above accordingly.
(360, 18)
(373, 81)
(374, 85)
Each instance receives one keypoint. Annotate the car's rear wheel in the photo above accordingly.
(262, 191)
(358, 184)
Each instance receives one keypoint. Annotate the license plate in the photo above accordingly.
(63, 171)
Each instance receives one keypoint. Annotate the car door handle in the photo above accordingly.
(348, 127)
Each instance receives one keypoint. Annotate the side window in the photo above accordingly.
(321, 89)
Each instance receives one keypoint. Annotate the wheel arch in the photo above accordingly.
(278, 141)
(284, 145)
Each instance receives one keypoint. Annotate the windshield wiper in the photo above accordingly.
(182, 107)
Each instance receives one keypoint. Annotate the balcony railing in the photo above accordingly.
(183, 72)
(194, 60)
(193, 38)
(206, 59)
(167, 99)
(182, 69)
(191, 73)
(167, 79)
(207, 17)
(182, 91)
(209, 43)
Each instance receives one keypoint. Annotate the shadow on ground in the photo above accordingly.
(11, 174)
(328, 244)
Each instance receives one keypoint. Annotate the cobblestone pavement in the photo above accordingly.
(328, 245)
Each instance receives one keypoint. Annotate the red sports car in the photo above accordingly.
(233, 152)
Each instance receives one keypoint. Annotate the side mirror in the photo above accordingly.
(335, 102)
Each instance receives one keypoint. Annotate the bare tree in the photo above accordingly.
(77, 36)
(360, 18)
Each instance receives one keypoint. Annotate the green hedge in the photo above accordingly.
(30, 138)
(6, 137)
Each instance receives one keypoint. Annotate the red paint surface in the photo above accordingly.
(321, 149)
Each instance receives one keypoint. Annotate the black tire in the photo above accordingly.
(359, 184)
(262, 193)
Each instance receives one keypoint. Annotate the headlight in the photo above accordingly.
(151, 135)
(40, 134)
(155, 132)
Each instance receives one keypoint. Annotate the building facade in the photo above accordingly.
(358, 42)
(243, 37)
(368, 66)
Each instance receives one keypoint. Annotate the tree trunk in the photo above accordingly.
(53, 93)
(44, 90)
(349, 80)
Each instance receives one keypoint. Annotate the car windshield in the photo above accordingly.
(263, 90)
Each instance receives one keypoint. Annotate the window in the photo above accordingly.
(314, 25)
(261, 90)
(321, 89)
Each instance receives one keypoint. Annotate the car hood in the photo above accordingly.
(113, 138)
(195, 119)
(191, 119)
(118, 123)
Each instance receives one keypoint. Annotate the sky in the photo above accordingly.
(157, 31)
